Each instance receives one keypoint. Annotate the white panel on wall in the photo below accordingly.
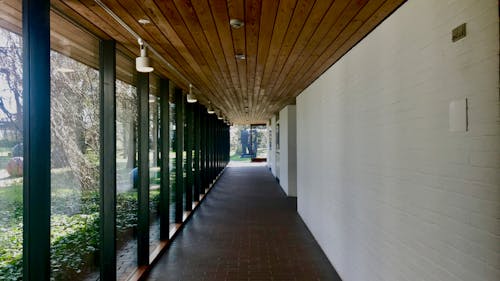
(458, 115)
(384, 186)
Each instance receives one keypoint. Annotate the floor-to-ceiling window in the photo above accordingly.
(126, 168)
(11, 154)
(154, 162)
(75, 137)
(172, 153)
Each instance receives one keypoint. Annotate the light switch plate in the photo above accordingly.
(458, 115)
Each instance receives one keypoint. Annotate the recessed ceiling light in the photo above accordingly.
(144, 21)
(236, 23)
(240, 56)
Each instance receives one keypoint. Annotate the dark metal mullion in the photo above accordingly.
(179, 134)
(210, 149)
(107, 75)
(189, 157)
(228, 143)
(219, 146)
(143, 169)
(36, 138)
(197, 133)
(165, 160)
(203, 150)
(215, 147)
(216, 154)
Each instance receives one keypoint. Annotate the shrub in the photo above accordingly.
(15, 167)
(74, 237)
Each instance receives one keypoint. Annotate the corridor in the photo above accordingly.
(246, 229)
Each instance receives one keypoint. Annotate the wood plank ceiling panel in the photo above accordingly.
(252, 16)
(131, 12)
(332, 24)
(188, 43)
(283, 18)
(203, 12)
(300, 15)
(334, 53)
(345, 30)
(288, 44)
(267, 19)
(190, 18)
(236, 10)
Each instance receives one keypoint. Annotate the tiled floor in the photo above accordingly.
(246, 229)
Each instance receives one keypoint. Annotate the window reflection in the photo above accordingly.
(11, 156)
(126, 178)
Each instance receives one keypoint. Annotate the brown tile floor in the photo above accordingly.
(246, 229)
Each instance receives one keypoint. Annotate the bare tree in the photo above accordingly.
(75, 118)
(11, 72)
(126, 100)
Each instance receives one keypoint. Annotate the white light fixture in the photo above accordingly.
(210, 109)
(191, 97)
(144, 21)
(240, 56)
(143, 63)
(220, 117)
(236, 23)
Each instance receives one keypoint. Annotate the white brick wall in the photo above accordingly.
(386, 189)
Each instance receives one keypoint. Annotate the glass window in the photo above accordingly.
(126, 178)
(75, 141)
(11, 149)
(154, 163)
(172, 159)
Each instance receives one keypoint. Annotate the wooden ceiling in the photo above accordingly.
(287, 43)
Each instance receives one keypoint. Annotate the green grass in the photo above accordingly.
(13, 193)
(236, 157)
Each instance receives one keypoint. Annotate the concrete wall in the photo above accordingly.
(384, 186)
(288, 150)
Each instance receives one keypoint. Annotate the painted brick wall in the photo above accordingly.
(384, 186)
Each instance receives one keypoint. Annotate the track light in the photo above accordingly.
(143, 63)
(191, 97)
(210, 109)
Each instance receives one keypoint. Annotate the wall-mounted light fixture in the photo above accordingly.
(191, 97)
(143, 63)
